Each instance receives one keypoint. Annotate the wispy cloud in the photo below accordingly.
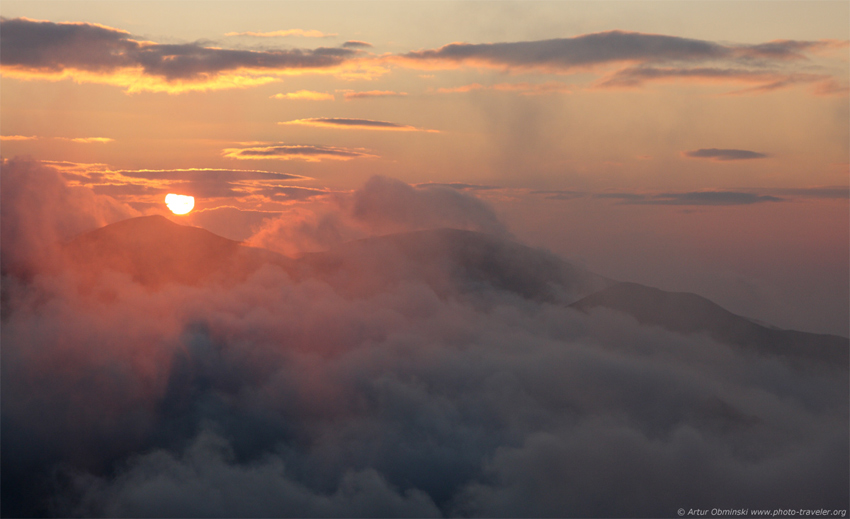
(87, 52)
(549, 87)
(305, 95)
(357, 44)
(285, 34)
(307, 153)
(706, 198)
(373, 93)
(208, 174)
(723, 154)
(460, 186)
(88, 140)
(18, 137)
(356, 124)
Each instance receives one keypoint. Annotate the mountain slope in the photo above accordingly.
(154, 250)
(689, 313)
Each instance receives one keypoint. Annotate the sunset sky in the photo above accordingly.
(693, 146)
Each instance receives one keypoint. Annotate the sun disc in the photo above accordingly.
(179, 204)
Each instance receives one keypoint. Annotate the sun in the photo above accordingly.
(179, 204)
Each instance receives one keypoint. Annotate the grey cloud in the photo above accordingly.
(768, 80)
(356, 44)
(54, 47)
(295, 151)
(608, 47)
(709, 198)
(289, 192)
(559, 194)
(584, 50)
(723, 154)
(205, 174)
(815, 192)
(392, 205)
(687, 198)
(459, 186)
(692, 198)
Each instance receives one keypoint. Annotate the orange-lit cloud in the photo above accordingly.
(356, 124)
(86, 52)
(723, 154)
(88, 140)
(305, 95)
(527, 89)
(373, 93)
(17, 137)
(296, 152)
(285, 33)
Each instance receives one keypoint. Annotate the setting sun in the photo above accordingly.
(179, 204)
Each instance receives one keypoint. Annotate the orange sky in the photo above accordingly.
(695, 146)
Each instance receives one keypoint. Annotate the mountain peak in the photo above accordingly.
(154, 251)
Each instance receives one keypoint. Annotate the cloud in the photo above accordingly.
(210, 174)
(528, 89)
(17, 138)
(645, 58)
(713, 198)
(307, 95)
(95, 53)
(839, 192)
(38, 211)
(720, 198)
(373, 93)
(285, 33)
(356, 124)
(382, 205)
(89, 140)
(296, 152)
(709, 198)
(766, 80)
(389, 205)
(286, 395)
(83, 140)
(145, 185)
(569, 53)
(458, 185)
(723, 154)
(559, 194)
(357, 44)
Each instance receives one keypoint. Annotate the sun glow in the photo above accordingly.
(179, 204)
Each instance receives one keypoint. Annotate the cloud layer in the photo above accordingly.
(277, 397)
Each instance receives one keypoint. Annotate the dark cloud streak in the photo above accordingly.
(55, 47)
(723, 154)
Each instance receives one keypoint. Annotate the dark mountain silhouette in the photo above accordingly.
(689, 313)
(154, 251)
